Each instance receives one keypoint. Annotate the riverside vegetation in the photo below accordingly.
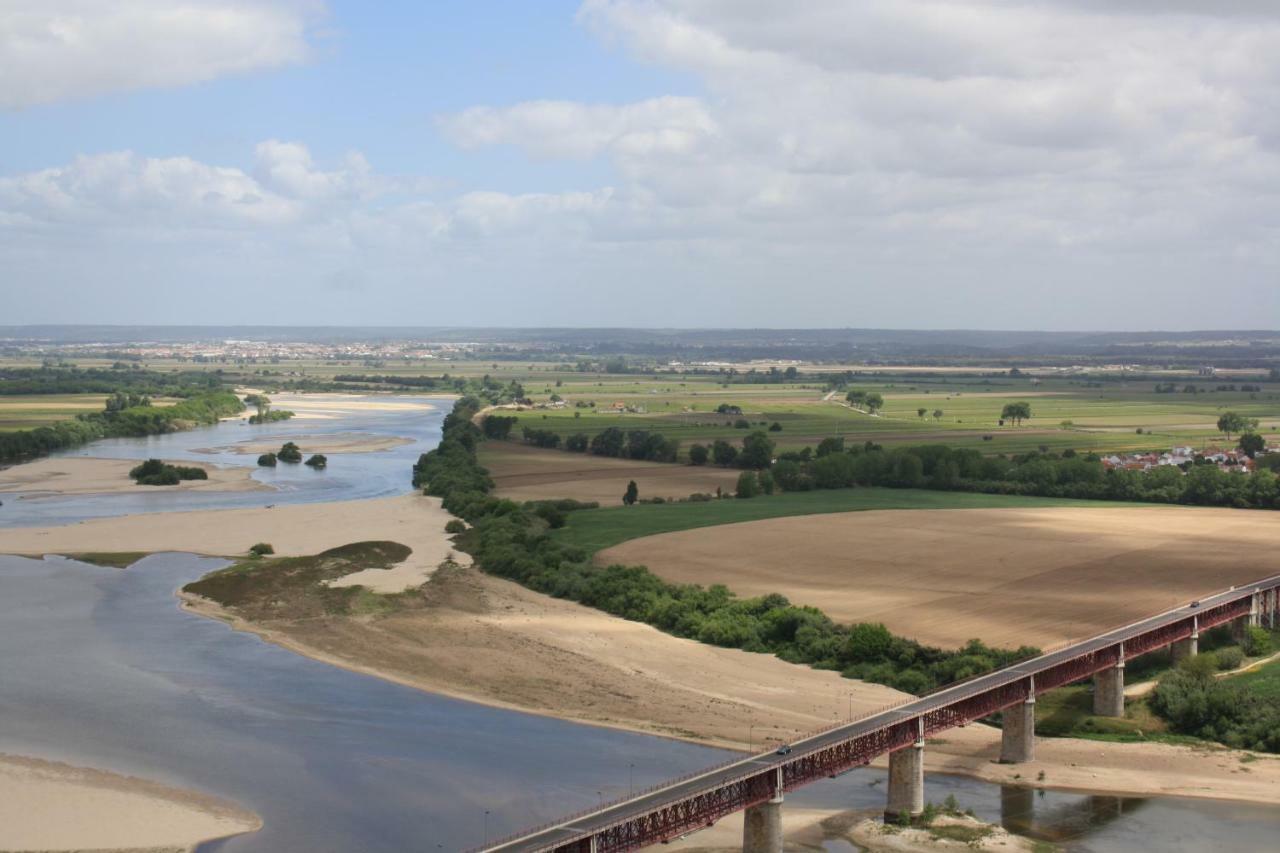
(513, 541)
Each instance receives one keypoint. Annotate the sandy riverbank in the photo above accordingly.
(338, 443)
(488, 640)
(295, 530)
(329, 406)
(47, 806)
(81, 475)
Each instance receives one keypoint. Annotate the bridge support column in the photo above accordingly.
(762, 824)
(1108, 692)
(1018, 733)
(906, 782)
(1188, 648)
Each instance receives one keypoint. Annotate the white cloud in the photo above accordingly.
(55, 50)
(655, 127)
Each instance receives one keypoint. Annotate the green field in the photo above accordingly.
(597, 529)
(1264, 681)
(28, 411)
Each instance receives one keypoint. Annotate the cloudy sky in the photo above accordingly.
(1055, 164)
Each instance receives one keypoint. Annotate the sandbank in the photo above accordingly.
(338, 443)
(82, 475)
(47, 805)
(295, 530)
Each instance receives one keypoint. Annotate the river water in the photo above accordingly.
(100, 667)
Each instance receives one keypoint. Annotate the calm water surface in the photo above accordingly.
(100, 667)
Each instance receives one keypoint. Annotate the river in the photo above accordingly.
(100, 667)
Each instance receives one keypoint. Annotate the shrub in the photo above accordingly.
(261, 549)
(748, 485)
(318, 461)
(1257, 641)
(289, 452)
(1230, 657)
(455, 526)
(267, 460)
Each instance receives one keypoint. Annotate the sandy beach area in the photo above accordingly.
(46, 805)
(329, 406)
(339, 443)
(82, 475)
(297, 530)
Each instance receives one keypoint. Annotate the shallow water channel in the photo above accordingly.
(100, 667)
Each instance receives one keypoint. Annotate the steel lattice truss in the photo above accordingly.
(690, 812)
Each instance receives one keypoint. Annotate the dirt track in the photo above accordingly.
(1009, 577)
(527, 474)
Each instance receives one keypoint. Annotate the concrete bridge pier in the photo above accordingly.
(1188, 648)
(1108, 692)
(906, 782)
(1018, 733)
(762, 824)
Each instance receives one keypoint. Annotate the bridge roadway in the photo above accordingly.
(584, 826)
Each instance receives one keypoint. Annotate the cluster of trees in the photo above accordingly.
(756, 452)
(265, 414)
(113, 421)
(1194, 702)
(71, 380)
(869, 401)
(1069, 475)
(154, 472)
(512, 541)
(613, 442)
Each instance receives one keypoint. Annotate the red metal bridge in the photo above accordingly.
(680, 806)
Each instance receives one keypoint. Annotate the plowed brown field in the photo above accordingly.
(1007, 576)
(529, 474)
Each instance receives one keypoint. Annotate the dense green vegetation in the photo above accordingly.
(154, 472)
(289, 452)
(120, 378)
(1240, 711)
(513, 541)
(318, 461)
(125, 415)
(108, 559)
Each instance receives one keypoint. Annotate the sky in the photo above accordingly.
(1002, 164)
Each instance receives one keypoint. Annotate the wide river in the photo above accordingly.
(100, 667)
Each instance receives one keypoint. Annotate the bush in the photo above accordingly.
(748, 485)
(289, 452)
(261, 549)
(1257, 642)
(267, 460)
(1230, 657)
(318, 461)
(455, 526)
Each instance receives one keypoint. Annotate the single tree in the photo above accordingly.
(937, 414)
(1016, 412)
(723, 453)
(632, 495)
(1233, 422)
(748, 485)
(698, 454)
(873, 402)
(757, 451)
(1252, 444)
(921, 412)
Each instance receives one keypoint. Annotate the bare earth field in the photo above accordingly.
(412, 520)
(528, 474)
(81, 475)
(1006, 576)
(46, 805)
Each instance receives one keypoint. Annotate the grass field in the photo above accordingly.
(1264, 681)
(28, 411)
(1105, 408)
(598, 529)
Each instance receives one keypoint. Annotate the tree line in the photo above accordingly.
(513, 541)
(113, 421)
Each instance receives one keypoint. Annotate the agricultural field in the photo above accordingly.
(526, 474)
(1039, 576)
(28, 411)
